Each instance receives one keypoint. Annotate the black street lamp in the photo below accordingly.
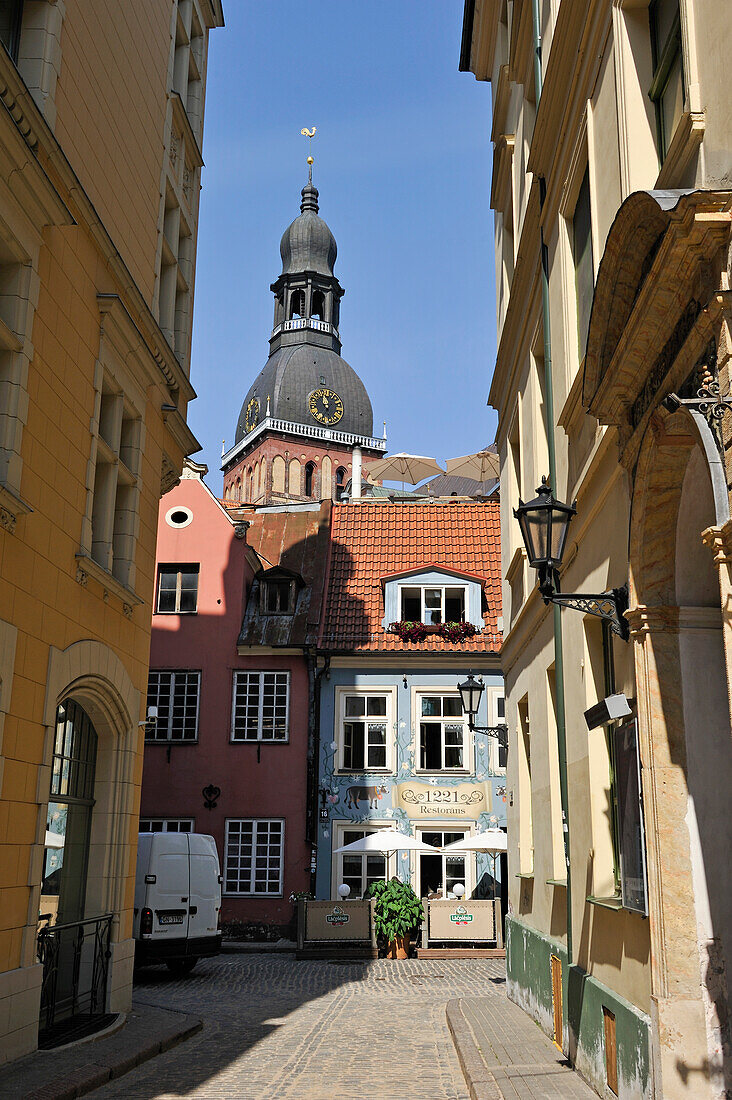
(471, 692)
(544, 524)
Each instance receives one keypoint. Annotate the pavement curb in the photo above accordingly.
(69, 1072)
(481, 1083)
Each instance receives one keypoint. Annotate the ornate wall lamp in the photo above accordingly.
(544, 524)
(471, 692)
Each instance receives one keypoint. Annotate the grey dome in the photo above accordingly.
(308, 244)
(289, 377)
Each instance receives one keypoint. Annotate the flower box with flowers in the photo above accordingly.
(410, 631)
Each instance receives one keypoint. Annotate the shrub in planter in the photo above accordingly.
(397, 914)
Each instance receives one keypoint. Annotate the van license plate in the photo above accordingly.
(170, 918)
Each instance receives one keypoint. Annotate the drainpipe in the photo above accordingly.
(315, 675)
(549, 389)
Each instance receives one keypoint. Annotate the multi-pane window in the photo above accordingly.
(166, 824)
(363, 731)
(277, 596)
(115, 492)
(667, 85)
(260, 710)
(441, 873)
(441, 733)
(583, 262)
(254, 856)
(177, 589)
(433, 605)
(501, 716)
(176, 695)
(359, 870)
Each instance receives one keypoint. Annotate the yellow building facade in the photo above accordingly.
(612, 137)
(101, 115)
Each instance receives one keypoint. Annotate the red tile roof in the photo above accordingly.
(373, 539)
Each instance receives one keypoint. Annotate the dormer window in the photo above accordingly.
(278, 596)
(433, 605)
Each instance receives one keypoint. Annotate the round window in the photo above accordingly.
(179, 517)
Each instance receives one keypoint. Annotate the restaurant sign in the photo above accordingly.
(421, 799)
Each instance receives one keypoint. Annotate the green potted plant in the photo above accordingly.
(397, 914)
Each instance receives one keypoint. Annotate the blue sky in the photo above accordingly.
(402, 163)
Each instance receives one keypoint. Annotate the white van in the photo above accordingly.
(177, 900)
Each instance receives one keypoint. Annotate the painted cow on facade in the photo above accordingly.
(371, 794)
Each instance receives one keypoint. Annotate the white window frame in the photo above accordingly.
(435, 588)
(259, 739)
(470, 861)
(168, 824)
(340, 717)
(468, 767)
(153, 729)
(341, 827)
(255, 821)
(178, 569)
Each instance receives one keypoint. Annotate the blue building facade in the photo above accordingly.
(395, 751)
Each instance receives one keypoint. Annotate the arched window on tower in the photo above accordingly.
(341, 475)
(237, 489)
(318, 309)
(309, 478)
(297, 304)
(278, 474)
(251, 483)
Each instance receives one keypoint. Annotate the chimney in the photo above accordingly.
(356, 474)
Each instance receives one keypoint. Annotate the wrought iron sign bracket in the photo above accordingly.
(609, 606)
(708, 401)
(499, 732)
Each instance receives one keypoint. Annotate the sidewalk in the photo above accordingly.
(506, 1056)
(76, 1069)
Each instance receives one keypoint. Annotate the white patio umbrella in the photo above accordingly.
(403, 467)
(492, 840)
(480, 467)
(387, 840)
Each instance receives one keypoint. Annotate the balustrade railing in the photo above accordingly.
(306, 322)
(75, 959)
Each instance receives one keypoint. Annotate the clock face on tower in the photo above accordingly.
(325, 406)
(252, 417)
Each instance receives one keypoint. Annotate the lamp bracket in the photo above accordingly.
(609, 606)
(499, 732)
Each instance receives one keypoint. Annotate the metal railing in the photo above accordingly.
(305, 322)
(290, 427)
(75, 959)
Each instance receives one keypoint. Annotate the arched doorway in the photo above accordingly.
(686, 751)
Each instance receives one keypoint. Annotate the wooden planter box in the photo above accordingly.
(336, 929)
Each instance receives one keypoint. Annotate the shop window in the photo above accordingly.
(667, 85)
(363, 724)
(433, 605)
(583, 262)
(441, 734)
(68, 824)
(166, 824)
(177, 589)
(254, 856)
(176, 697)
(260, 710)
(359, 870)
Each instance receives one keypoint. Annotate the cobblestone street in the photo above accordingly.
(276, 1028)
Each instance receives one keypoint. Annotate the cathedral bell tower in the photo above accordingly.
(307, 410)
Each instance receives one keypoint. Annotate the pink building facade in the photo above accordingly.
(229, 695)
